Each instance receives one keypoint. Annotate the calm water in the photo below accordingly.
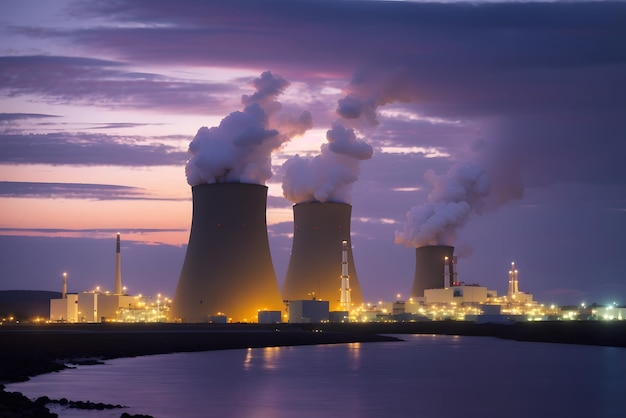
(426, 376)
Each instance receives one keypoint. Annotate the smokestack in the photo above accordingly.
(228, 268)
(117, 289)
(447, 282)
(313, 266)
(513, 283)
(345, 300)
(430, 267)
(64, 288)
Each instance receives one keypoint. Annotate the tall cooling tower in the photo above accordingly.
(429, 268)
(228, 268)
(315, 265)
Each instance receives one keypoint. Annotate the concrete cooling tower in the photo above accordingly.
(228, 268)
(430, 265)
(315, 265)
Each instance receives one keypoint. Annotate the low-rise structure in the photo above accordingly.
(308, 311)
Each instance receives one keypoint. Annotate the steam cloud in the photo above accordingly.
(239, 149)
(330, 175)
(369, 91)
(455, 196)
(327, 177)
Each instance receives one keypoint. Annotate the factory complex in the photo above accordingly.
(227, 276)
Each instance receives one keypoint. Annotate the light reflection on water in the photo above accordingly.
(427, 376)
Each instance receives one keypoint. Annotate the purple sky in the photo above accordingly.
(511, 112)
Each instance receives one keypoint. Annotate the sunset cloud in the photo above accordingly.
(530, 93)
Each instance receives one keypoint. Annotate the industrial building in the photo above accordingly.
(315, 265)
(102, 306)
(64, 309)
(270, 317)
(460, 294)
(228, 267)
(308, 311)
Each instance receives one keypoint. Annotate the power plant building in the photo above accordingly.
(434, 268)
(315, 265)
(88, 307)
(308, 311)
(93, 306)
(64, 309)
(461, 295)
(228, 267)
(270, 317)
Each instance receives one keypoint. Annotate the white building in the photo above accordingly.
(64, 310)
(88, 307)
(463, 294)
(110, 306)
(93, 307)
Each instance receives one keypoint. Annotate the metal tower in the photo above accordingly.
(344, 301)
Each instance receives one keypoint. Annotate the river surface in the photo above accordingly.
(424, 376)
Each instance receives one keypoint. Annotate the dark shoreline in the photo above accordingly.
(30, 350)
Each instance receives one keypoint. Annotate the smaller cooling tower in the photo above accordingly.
(315, 265)
(429, 268)
(228, 268)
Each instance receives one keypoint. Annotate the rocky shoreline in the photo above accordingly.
(30, 350)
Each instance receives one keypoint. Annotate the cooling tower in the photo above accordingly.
(228, 268)
(429, 268)
(315, 265)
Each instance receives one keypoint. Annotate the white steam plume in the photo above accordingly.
(455, 196)
(239, 149)
(327, 177)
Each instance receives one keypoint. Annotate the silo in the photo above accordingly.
(228, 268)
(315, 264)
(430, 262)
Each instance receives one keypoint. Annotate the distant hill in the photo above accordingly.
(26, 304)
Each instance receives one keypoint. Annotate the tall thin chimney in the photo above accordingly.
(513, 283)
(64, 288)
(447, 280)
(344, 300)
(117, 290)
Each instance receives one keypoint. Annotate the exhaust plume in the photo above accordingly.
(327, 177)
(239, 149)
(455, 196)
(369, 90)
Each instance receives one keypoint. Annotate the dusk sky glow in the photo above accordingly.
(509, 115)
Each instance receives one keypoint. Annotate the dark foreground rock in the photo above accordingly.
(16, 405)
